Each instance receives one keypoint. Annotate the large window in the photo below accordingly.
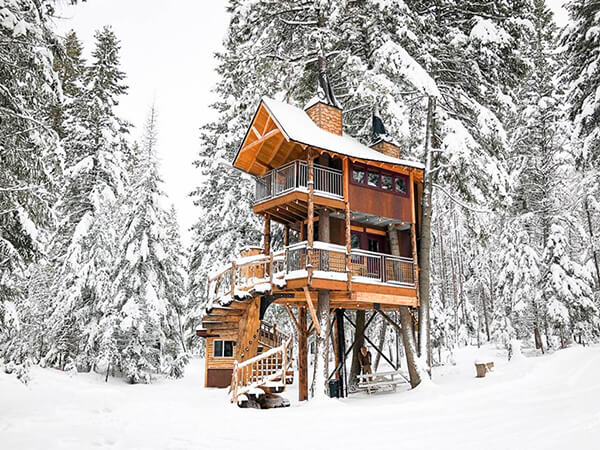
(222, 349)
(379, 179)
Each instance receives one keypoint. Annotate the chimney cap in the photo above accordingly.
(379, 132)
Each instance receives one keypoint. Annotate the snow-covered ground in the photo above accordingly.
(550, 402)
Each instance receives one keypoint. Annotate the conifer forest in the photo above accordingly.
(103, 287)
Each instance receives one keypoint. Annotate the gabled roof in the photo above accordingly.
(297, 126)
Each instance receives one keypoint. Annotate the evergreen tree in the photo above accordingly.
(84, 248)
(30, 159)
(143, 320)
(567, 292)
(581, 76)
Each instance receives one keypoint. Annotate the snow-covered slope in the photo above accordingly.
(549, 402)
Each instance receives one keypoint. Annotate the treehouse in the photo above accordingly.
(353, 211)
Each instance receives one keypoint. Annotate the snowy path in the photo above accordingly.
(550, 402)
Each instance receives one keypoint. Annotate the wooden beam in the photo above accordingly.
(261, 141)
(293, 319)
(311, 308)
(267, 234)
(390, 321)
(256, 133)
(311, 215)
(302, 355)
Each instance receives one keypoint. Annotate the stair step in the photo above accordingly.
(225, 311)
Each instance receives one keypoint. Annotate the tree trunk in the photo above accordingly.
(410, 348)
(485, 313)
(592, 237)
(359, 342)
(425, 241)
(382, 333)
(321, 371)
(408, 338)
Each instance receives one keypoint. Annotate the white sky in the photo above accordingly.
(167, 53)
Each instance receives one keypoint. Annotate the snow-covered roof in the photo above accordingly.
(297, 126)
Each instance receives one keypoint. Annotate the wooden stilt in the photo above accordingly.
(302, 355)
(267, 234)
(286, 236)
(311, 216)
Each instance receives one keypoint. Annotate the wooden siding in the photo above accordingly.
(217, 363)
(379, 203)
(219, 378)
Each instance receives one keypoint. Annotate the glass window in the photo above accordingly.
(373, 245)
(218, 349)
(354, 241)
(358, 174)
(387, 182)
(401, 185)
(228, 349)
(373, 179)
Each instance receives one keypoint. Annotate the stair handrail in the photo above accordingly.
(237, 380)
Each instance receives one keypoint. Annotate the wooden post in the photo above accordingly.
(348, 230)
(311, 215)
(302, 355)
(267, 234)
(233, 278)
(286, 236)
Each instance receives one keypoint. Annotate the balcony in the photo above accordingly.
(294, 177)
(329, 261)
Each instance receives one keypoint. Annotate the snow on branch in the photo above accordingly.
(393, 56)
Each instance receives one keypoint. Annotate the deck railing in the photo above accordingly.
(261, 272)
(294, 175)
(364, 265)
(267, 367)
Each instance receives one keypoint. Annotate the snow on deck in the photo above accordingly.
(548, 402)
(298, 126)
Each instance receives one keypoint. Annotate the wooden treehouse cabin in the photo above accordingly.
(354, 211)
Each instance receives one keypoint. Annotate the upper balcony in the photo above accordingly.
(280, 188)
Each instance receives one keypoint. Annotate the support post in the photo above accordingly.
(286, 236)
(347, 221)
(267, 234)
(302, 355)
(310, 231)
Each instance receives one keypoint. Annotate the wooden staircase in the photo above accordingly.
(263, 354)
(257, 381)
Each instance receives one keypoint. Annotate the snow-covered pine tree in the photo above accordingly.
(31, 159)
(581, 43)
(467, 58)
(85, 244)
(143, 319)
(567, 291)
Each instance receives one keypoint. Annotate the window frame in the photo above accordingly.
(223, 348)
(365, 183)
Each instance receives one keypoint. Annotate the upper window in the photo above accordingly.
(401, 185)
(222, 349)
(373, 178)
(358, 174)
(379, 179)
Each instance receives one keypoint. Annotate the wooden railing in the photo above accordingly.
(262, 369)
(245, 274)
(261, 272)
(381, 267)
(294, 175)
(269, 335)
(365, 266)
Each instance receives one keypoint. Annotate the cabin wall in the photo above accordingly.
(379, 203)
(218, 370)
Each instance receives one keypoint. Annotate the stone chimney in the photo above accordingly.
(380, 140)
(325, 116)
(324, 109)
